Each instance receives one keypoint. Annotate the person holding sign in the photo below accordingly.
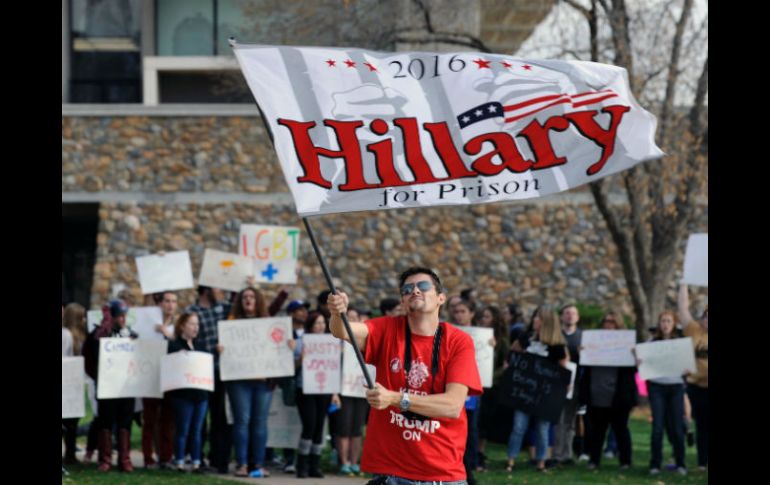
(667, 404)
(543, 338)
(73, 333)
(610, 393)
(250, 398)
(158, 422)
(352, 417)
(425, 368)
(118, 411)
(189, 405)
(697, 383)
(492, 317)
(312, 408)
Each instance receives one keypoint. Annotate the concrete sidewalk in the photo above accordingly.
(277, 477)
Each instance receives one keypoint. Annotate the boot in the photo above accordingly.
(302, 465)
(124, 450)
(315, 466)
(105, 450)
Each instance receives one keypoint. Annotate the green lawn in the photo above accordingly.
(609, 473)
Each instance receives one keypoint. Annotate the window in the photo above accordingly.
(200, 27)
(106, 60)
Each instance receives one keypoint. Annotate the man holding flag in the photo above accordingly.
(425, 368)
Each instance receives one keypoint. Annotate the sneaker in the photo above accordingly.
(277, 462)
(289, 468)
(682, 470)
(356, 469)
(346, 470)
(583, 457)
(654, 471)
(671, 467)
(609, 454)
(702, 468)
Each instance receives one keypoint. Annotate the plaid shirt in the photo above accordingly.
(208, 338)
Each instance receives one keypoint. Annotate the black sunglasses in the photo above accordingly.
(423, 286)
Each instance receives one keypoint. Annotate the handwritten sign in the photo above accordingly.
(255, 348)
(228, 271)
(321, 363)
(666, 358)
(485, 353)
(535, 385)
(274, 250)
(187, 370)
(129, 368)
(353, 381)
(73, 403)
(608, 348)
(172, 271)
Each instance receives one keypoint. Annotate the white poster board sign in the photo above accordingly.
(255, 348)
(187, 370)
(73, 402)
(228, 271)
(608, 348)
(172, 271)
(485, 353)
(696, 260)
(353, 381)
(273, 249)
(283, 424)
(93, 318)
(321, 363)
(142, 320)
(572, 367)
(666, 358)
(129, 368)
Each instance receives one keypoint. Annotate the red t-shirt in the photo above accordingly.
(418, 450)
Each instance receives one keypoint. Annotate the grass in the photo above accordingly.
(609, 472)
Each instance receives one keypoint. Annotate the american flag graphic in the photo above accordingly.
(529, 107)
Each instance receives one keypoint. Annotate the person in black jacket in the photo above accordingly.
(610, 393)
(189, 405)
(112, 412)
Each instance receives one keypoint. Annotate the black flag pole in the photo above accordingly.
(344, 317)
(320, 257)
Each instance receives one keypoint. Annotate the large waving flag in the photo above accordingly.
(363, 130)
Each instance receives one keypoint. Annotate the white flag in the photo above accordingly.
(363, 130)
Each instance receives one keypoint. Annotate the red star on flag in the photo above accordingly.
(482, 63)
(331, 62)
(506, 64)
(527, 67)
(350, 63)
(371, 67)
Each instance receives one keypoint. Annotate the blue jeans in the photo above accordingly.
(391, 480)
(250, 400)
(667, 404)
(188, 417)
(520, 422)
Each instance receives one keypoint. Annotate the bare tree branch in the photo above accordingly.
(584, 11)
(673, 74)
(696, 112)
(625, 250)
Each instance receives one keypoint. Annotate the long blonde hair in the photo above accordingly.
(550, 327)
(74, 321)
